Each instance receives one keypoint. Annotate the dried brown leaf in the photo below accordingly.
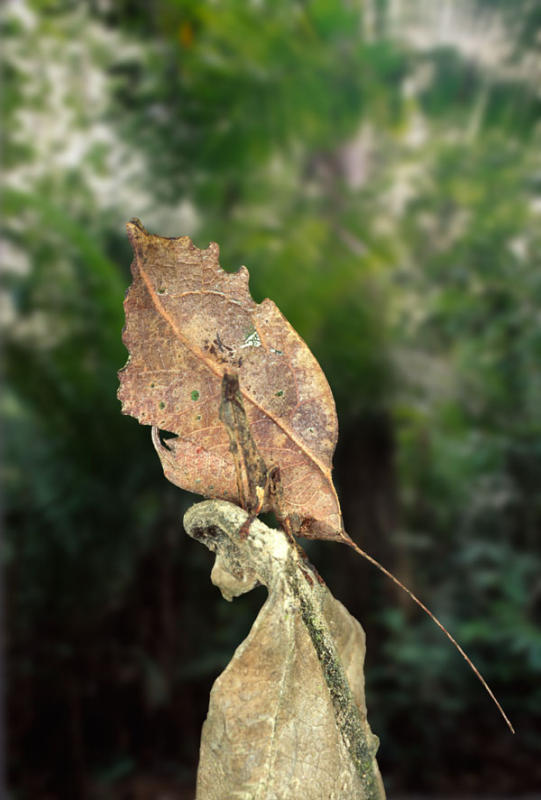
(187, 323)
(287, 717)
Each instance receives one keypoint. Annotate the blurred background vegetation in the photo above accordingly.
(377, 166)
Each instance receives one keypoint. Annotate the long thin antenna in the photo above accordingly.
(415, 599)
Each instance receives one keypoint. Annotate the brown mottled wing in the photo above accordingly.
(187, 323)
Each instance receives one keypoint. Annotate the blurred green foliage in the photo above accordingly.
(380, 174)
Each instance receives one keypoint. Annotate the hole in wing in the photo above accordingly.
(161, 438)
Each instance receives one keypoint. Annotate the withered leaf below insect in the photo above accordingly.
(287, 717)
(187, 323)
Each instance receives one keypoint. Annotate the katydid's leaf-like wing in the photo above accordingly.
(187, 323)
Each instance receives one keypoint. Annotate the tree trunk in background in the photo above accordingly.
(367, 483)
